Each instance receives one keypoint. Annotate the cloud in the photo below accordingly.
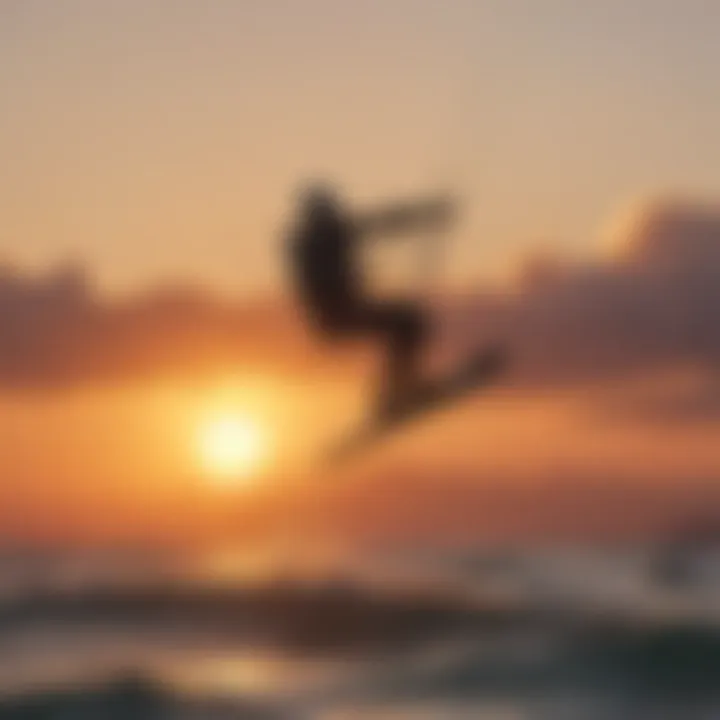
(654, 304)
(56, 330)
(670, 401)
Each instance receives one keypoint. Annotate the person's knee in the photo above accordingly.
(404, 324)
(414, 326)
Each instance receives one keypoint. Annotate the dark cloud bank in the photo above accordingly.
(653, 305)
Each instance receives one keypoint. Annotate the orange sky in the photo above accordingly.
(123, 465)
(148, 140)
(605, 426)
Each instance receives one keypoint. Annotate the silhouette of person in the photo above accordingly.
(324, 247)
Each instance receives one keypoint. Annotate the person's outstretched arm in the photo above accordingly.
(407, 217)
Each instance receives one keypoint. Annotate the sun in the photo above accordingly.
(231, 448)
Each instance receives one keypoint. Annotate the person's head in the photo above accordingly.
(318, 200)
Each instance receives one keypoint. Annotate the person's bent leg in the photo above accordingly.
(404, 328)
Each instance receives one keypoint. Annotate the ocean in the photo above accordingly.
(556, 633)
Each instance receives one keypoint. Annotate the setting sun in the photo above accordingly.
(231, 448)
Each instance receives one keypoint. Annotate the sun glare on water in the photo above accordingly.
(232, 449)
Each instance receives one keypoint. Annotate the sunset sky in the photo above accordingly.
(164, 138)
(147, 144)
